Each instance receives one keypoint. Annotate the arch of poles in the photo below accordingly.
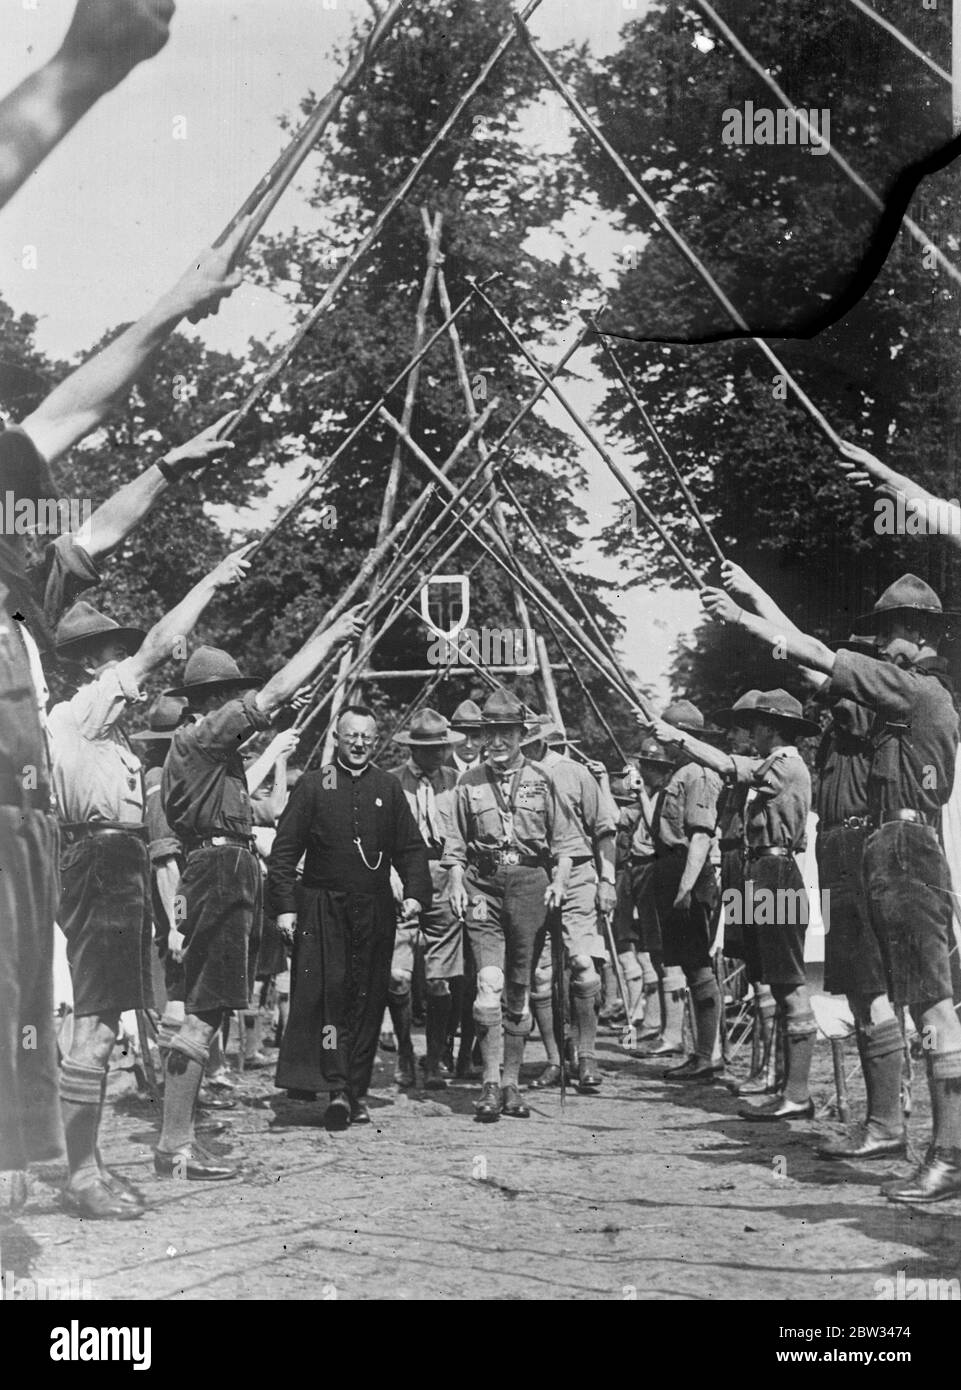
(472, 509)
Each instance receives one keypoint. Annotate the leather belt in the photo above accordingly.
(508, 859)
(582, 859)
(850, 823)
(214, 841)
(85, 830)
(770, 852)
(911, 817)
(14, 793)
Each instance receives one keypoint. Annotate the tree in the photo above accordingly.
(784, 233)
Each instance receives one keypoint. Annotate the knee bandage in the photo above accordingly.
(81, 1084)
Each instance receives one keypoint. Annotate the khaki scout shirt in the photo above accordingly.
(687, 804)
(777, 813)
(96, 774)
(915, 734)
(540, 826)
(593, 815)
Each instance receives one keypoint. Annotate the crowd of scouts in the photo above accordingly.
(527, 882)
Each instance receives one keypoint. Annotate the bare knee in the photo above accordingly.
(400, 981)
(93, 1038)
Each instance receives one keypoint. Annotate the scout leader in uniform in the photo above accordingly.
(428, 786)
(466, 720)
(905, 874)
(105, 911)
(590, 891)
(207, 805)
(685, 886)
(508, 826)
(775, 832)
(354, 824)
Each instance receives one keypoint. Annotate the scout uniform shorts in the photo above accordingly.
(107, 919)
(507, 918)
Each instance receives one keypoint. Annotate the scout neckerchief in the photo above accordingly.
(507, 806)
(426, 805)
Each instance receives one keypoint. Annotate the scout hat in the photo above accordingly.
(166, 715)
(467, 715)
(210, 670)
(545, 730)
(855, 643)
(728, 718)
(688, 718)
(783, 709)
(428, 729)
(654, 754)
(908, 595)
(502, 708)
(83, 625)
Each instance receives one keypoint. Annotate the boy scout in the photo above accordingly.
(428, 786)
(105, 905)
(775, 830)
(685, 886)
(508, 825)
(590, 891)
(206, 802)
(905, 874)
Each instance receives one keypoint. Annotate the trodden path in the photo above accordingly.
(650, 1190)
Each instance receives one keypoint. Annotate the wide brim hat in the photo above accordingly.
(467, 716)
(210, 671)
(544, 730)
(164, 719)
(856, 642)
(783, 709)
(683, 715)
(83, 625)
(734, 717)
(502, 709)
(907, 597)
(653, 754)
(428, 729)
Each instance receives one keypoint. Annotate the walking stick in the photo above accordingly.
(607, 919)
(559, 992)
(149, 1071)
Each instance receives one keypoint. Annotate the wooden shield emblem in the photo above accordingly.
(445, 603)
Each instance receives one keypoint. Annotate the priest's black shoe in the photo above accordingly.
(488, 1108)
(193, 1163)
(589, 1079)
(865, 1143)
(359, 1114)
(778, 1108)
(938, 1178)
(96, 1202)
(512, 1105)
(337, 1114)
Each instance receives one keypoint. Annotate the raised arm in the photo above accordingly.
(170, 630)
(789, 644)
(273, 759)
(701, 752)
(79, 404)
(942, 518)
(105, 41)
(302, 666)
(114, 519)
(746, 590)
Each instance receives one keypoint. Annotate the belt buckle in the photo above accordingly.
(511, 856)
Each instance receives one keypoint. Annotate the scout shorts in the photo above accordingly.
(777, 883)
(907, 888)
(222, 891)
(686, 935)
(107, 919)
(506, 919)
(854, 961)
(579, 921)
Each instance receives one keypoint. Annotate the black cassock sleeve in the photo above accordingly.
(408, 853)
(293, 831)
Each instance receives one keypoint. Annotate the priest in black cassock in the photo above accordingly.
(354, 824)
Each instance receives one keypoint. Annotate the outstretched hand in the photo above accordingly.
(210, 277)
(720, 605)
(350, 625)
(233, 567)
(200, 450)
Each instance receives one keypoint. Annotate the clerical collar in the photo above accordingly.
(355, 772)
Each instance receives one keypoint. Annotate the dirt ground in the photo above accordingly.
(651, 1190)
